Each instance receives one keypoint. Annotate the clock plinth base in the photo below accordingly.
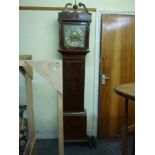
(75, 126)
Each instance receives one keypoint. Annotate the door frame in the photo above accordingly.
(99, 13)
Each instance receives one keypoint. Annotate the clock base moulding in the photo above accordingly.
(75, 52)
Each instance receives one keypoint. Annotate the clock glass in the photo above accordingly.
(74, 36)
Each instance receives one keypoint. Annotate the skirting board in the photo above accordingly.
(54, 134)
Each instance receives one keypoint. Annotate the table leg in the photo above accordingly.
(125, 135)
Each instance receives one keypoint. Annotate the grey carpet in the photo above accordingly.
(104, 147)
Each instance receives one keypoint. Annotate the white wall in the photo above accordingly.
(39, 37)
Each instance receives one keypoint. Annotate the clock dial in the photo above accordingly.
(74, 36)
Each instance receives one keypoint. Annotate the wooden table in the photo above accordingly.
(128, 92)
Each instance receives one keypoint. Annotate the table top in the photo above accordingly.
(126, 90)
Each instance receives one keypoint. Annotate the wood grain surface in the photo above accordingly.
(126, 90)
(118, 63)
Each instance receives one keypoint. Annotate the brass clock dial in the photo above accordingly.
(74, 36)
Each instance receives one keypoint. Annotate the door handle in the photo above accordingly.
(104, 78)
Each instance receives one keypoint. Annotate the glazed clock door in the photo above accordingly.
(74, 36)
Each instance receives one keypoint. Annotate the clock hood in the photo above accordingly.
(75, 14)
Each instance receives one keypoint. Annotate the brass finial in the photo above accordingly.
(75, 6)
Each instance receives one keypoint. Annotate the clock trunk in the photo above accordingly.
(73, 83)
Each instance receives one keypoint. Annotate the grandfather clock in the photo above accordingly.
(73, 45)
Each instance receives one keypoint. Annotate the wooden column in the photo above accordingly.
(60, 125)
(31, 148)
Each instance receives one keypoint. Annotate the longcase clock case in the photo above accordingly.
(73, 45)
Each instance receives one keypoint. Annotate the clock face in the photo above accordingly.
(74, 36)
